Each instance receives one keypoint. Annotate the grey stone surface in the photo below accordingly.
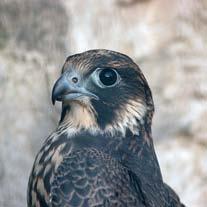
(166, 38)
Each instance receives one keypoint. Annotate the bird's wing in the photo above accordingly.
(89, 177)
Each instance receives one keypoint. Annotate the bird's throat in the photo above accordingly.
(78, 116)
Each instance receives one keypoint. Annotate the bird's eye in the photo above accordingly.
(108, 77)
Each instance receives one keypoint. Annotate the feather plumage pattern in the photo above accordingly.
(102, 152)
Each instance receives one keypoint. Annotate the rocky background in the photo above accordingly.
(168, 39)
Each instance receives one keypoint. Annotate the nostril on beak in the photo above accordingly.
(74, 79)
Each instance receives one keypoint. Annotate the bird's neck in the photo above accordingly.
(135, 151)
(131, 144)
(139, 155)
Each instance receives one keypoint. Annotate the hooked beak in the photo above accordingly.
(64, 90)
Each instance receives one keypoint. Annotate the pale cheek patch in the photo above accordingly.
(127, 117)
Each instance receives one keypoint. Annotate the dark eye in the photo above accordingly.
(108, 77)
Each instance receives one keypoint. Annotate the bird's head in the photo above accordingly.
(103, 90)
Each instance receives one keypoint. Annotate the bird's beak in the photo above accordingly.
(64, 90)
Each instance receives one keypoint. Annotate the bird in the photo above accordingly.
(102, 151)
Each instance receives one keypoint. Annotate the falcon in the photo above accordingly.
(102, 152)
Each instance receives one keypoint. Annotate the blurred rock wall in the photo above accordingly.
(166, 38)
